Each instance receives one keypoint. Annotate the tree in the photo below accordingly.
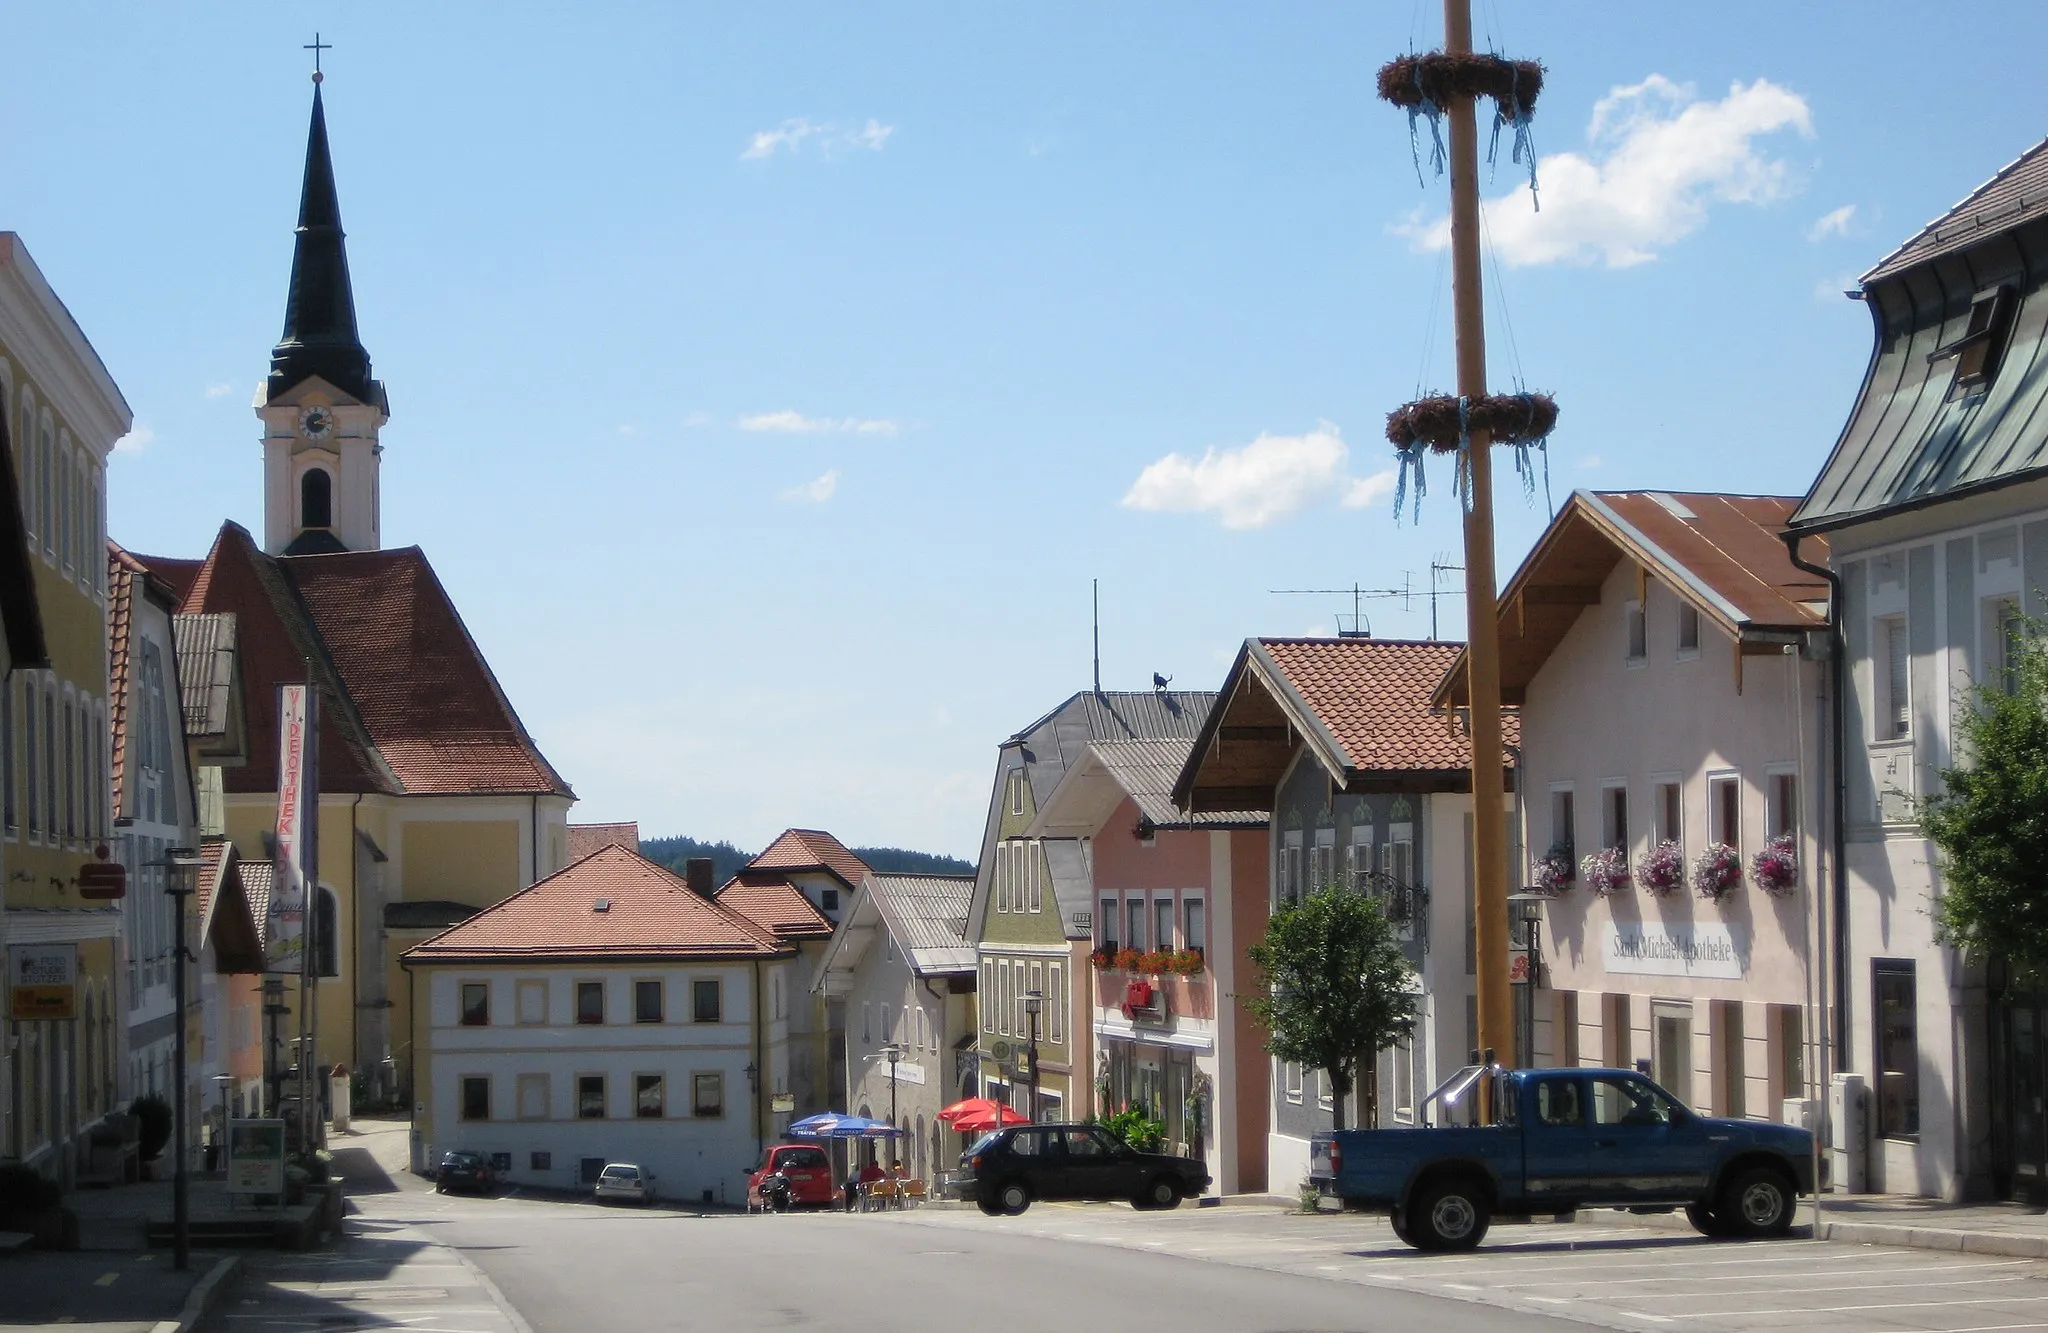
(1990, 821)
(1333, 986)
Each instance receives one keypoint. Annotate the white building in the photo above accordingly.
(609, 1013)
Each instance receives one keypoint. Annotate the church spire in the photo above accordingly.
(320, 314)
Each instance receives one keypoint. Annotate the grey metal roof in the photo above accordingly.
(2016, 194)
(928, 916)
(1073, 879)
(206, 670)
(1147, 770)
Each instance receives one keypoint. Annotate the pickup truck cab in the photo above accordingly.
(1559, 1140)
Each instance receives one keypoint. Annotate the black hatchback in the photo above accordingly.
(1007, 1169)
(463, 1169)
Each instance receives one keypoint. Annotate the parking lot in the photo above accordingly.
(1622, 1275)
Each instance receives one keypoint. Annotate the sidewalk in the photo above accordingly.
(2012, 1229)
(110, 1292)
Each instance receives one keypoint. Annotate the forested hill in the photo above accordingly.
(726, 859)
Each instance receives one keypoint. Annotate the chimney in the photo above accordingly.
(697, 871)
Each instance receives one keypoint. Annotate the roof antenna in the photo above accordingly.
(1095, 597)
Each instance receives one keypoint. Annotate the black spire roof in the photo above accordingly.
(320, 314)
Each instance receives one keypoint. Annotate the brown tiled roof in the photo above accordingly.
(1372, 696)
(587, 838)
(769, 900)
(648, 912)
(2018, 193)
(811, 849)
(257, 878)
(122, 572)
(224, 909)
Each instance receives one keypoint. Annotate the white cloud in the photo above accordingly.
(1251, 486)
(828, 137)
(696, 420)
(788, 422)
(220, 389)
(1591, 461)
(1832, 224)
(138, 438)
(816, 491)
(1657, 158)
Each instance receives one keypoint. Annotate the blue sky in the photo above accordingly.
(768, 382)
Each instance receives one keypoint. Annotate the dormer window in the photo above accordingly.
(1982, 347)
(316, 499)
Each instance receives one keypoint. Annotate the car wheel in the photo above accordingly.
(1449, 1215)
(1399, 1221)
(1706, 1220)
(1757, 1202)
(989, 1206)
(1161, 1194)
(1013, 1198)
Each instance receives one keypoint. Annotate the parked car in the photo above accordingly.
(1559, 1140)
(1007, 1169)
(807, 1169)
(623, 1180)
(462, 1168)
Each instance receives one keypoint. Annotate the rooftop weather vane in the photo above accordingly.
(316, 46)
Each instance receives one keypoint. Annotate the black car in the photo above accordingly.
(1009, 1168)
(463, 1169)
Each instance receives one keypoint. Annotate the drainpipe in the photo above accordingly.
(1837, 710)
(760, 1066)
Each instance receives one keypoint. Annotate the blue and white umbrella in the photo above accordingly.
(833, 1125)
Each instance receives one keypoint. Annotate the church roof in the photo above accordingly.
(320, 313)
(408, 705)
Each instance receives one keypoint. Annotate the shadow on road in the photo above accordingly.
(361, 1171)
(1595, 1245)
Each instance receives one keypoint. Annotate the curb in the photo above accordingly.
(201, 1297)
(490, 1289)
(1935, 1238)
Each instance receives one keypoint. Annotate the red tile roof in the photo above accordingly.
(587, 838)
(811, 849)
(771, 901)
(1372, 698)
(408, 704)
(122, 572)
(224, 909)
(648, 913)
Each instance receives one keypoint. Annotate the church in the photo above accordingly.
(435, 802)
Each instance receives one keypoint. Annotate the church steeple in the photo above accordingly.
(320, 314)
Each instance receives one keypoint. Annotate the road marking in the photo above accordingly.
(1803, 1288)
(107, 1280)
(1886, 1269)
(1851, 1309)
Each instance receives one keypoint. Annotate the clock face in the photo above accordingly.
(316, 422)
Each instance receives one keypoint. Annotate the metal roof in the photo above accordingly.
(2018, 192)
(1147, 770)
(928, 916)
(206, 670)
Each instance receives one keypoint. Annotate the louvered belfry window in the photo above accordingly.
(1898, 700)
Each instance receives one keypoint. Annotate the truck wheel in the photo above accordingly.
(1706, 1220)
(990, 1207)
(1160, 1195)
(1448, 1215)
(1399, 1220)
(1757, 1202)
(1013, 1198)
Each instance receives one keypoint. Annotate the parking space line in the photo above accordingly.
(1803, 1288)
(1852, 1309)
(1886, 1269)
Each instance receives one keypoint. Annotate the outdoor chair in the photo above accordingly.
(878, 1194)
(912, 1194)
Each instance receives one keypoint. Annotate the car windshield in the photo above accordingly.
(984, 1143)
(622, 1172)
(463, 1159)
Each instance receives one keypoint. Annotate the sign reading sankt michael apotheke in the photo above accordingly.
(1675, 951)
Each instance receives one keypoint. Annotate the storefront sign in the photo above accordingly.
(42, 981)
(781, 1103)
(256, 1157)
(1675, 951)
(1518, 967)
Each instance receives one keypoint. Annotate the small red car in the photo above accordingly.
(807, 1169)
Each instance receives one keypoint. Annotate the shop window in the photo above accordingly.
(1898, 1049)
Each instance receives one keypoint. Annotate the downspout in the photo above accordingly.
(533, 836)
(1837, 713)
(760, 1065)
(355, 935)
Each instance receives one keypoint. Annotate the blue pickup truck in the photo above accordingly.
(1558, 1140)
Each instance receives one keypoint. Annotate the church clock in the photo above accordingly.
(316, 422)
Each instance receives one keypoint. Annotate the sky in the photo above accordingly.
(770, 382)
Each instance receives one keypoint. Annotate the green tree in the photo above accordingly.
(1333, 986)
(1990, 821)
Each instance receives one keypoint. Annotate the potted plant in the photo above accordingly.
(1606, 871)
(1104, 959)
(1663, 870)
(1776, 868)
(1555, 871)
(1126, 960)
(1717, 871)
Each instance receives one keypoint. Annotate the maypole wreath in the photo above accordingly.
(1444, 424)
(1423, 84)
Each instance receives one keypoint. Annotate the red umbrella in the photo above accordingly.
(978, 1115)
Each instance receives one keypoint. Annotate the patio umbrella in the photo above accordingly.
(978, 1115)
(832, 1125)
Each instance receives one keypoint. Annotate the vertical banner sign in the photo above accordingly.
(284, 950)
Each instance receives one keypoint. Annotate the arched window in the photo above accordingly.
(316, 498)
(325, 955)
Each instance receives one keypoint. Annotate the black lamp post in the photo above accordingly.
(183, 882)
(893, 1054)
(274, 1008)
(1034, 1001)
(1528, 907)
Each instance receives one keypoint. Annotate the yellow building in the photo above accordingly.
(64, 413)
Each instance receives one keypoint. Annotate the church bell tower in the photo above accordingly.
(320, 408)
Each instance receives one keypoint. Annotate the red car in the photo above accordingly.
(807, 1169)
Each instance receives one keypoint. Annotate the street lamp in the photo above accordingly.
(1528, 908)
(220, 1144)
(274, 1008)
(1034, 1001)
(181, 883)
(893, 1054)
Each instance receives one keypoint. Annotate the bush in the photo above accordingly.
(1137, 1129)
(22, 1189)
(153, 1114)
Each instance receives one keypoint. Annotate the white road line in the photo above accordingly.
(1802, 1288)
(1851, 1309)
(1887, 1270)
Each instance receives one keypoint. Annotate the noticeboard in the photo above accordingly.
(256, 1157)
(42, 981)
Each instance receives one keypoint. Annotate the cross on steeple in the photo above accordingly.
(316, 46)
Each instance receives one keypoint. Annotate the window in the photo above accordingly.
(1002, 996)
(2004, 633)
(1667, 814)
(476, 1098)
(540, 1161)
(867, 1022)
(1162, 923)
(707, 1001)
(1134, 919)
(476, 1004)
(1400, 854)
(648, 1096)
(1638, 633)
(590, 1096)
(1291, 1075)
(999, 877)
(1037, 876)
(326, 942)
(1724, 809)
(1195, 925)
(1628, 1101)
(647, 1001)
(1895, 683)
(889, 1023)
(1361, 854)
(922, 1036)
(1016, 793)
(1557, 1102)
(829, 899)
(1106, 924)
(590, 1002)
(1055, 1005)
(316, 498)
(1614, 816)
(70, 773)
(1290, 867)
(985, 1000)
(12, 815)
(1688, 629)
(533, 1096)
(533, 1002)
(1322, 860)
(1898, 1049)
(707, 1096)
(1781, 805)
(1981, 347)
(1563, 820)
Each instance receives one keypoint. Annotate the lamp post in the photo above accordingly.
(274, 1008)
(182, 883)
(893, 1054)
(1528, 907)
(220, 1144)
(1034, 1001)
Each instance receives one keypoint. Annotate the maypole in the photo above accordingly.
(1446, 85)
